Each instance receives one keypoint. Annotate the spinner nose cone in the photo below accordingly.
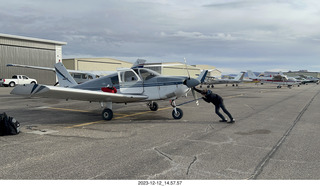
(191, 82)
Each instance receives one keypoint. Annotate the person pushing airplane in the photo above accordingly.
(217, 100)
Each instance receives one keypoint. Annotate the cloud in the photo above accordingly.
(198, 35)
(224, 33)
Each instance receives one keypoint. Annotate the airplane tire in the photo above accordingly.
(177, 115)
(154, 106)
(107, 114)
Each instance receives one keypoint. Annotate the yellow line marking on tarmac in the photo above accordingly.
(84, 124)
(119, 117)
(65, 109)
(239, 95)
(139, 113)
(119, 114)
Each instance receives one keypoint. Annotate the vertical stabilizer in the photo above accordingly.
(251, 75)
(239, 76)
(64, 78)
(202, 76)
(139, 63)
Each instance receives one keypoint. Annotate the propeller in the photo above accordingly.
(191, 83)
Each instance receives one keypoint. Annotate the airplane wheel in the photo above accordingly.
(107, 114)
(177, 115)
(154, 106)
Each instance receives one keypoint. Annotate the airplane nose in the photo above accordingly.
(191, 82)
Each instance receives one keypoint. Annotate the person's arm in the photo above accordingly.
(205, 99)
(200, 91)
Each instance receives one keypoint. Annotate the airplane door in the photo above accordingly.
(130, 82)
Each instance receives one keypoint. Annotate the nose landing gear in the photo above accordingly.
(177, 112)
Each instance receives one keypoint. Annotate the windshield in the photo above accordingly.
(147, 74)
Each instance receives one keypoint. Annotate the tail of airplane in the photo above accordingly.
(64, 77)
(202, 76)
(251, 75)
(139, 63)
(240, 76)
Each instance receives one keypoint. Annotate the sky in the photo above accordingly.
(232, 35)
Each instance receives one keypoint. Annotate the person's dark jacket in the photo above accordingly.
(210, 97)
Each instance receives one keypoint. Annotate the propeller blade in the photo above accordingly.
(195, 96)
(185, 62)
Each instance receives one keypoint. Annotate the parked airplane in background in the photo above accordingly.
(78, 76)
(278, 79)
(210, 81)
(136, 84)
(307, 79)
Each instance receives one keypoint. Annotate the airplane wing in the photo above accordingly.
(98, 73)
(33, 67)
(75, 94)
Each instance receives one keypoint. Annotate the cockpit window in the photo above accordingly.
(128, 76)
(147, 74)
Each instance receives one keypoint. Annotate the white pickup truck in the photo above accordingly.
(17, 80)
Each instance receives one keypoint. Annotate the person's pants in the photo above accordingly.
(221, 105)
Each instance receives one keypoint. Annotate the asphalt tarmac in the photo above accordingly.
(276, 136)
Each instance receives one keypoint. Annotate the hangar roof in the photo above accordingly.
(32, 39)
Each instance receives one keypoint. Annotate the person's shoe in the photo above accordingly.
(223, 120)
(232, 121)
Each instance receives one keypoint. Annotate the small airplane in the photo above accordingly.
(307, 79)
(211, 80)
(135, 84)
(278, 79)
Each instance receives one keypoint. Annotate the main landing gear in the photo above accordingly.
(107, 113)
(153, 106)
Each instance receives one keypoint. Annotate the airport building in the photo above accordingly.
(212, 71)
(95, 64)
(29, 51)
(174, 69)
